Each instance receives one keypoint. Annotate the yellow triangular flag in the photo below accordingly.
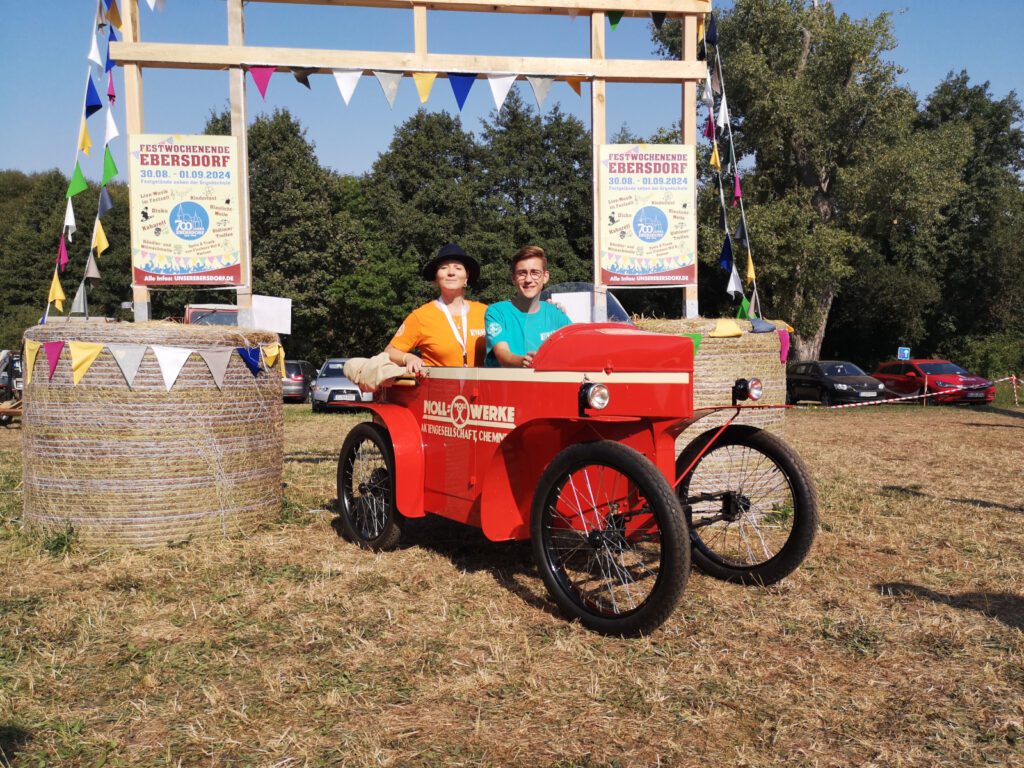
(83, 354)
(700, 28)
(31, 350)
(274, 353)
(84, 141)
(99, 238)
(750, 268)
(113, 15)
(56, 292)
(725, 328)
(424, 82)
(716, 163)
(575, 83)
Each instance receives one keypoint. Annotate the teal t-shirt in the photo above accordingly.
(523, 332)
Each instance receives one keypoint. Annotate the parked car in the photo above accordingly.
(297, 382)
(830, 381)
(333, 390)
(940, 379)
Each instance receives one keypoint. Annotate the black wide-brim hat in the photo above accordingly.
(451, 252)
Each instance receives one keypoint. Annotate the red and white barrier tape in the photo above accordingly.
(1013, 379)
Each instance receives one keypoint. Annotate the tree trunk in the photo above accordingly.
(809, 347)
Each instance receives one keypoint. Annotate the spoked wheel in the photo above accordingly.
(366, 488)
(609, 538)
(750, 505)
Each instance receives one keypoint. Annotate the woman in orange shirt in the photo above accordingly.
(448, 331)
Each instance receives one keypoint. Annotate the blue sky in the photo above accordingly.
(45, 43)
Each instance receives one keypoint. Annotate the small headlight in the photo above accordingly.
(598, 396)
(755, 389)
(881, 385)
(840, 386)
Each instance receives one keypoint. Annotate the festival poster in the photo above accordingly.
(184, 210)
(648, 209)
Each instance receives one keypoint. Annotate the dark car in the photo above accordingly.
(943, 381)
(830, 381)
(297, 382)
(334, 391)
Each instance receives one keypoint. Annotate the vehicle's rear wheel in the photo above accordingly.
(826, 398)
(750, 506)
(609, 538)
(366, 488)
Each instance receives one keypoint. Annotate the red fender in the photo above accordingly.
(407, 443)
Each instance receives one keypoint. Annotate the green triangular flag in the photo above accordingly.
(109, 169)
(78, 183)
(744, 312)
(696, 337)
(615, 17)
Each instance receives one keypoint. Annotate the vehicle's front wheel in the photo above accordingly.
(366, 488)
(750, 505)
(826, 398)
(609, 538)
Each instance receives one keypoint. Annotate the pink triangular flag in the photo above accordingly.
(62, 254)
(261, 76)
(53, 350)
(737, 193)
(111, 95)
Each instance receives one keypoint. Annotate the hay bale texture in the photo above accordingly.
(717, 365)
(141, 466)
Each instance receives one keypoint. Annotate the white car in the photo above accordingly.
(332, 390)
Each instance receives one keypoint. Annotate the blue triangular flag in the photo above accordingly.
(251, 358)
(105, 202)
(92, 99)
(725, 260)
(711, 32)
(111, 39)
(460, 86)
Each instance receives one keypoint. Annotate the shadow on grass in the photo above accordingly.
(1002, 606)
(12, 739)
(1013, 414)
(308, 457)
(904, 490)
(990, 426)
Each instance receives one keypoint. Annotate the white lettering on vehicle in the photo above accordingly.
(460, 413)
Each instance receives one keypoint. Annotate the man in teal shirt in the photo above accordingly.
(516, 328)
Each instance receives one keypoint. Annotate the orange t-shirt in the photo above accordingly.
(426, 329)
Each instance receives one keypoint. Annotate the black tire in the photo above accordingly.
(5, 419)
(317, 407)
(609, 538)
(366, 488)
(826, 398)
(750, 506)
(790, 400)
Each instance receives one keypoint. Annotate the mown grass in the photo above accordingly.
(899, 642)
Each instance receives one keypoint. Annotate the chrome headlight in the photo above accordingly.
(747, 389)
(840, 386)
(594, 396)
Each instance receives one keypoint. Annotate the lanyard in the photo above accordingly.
(465, 328)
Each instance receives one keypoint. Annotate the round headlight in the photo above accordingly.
(598, 396)
(755, 389)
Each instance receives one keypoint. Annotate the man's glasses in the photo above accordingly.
(522, 274)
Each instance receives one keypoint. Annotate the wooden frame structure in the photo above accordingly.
(135, 55)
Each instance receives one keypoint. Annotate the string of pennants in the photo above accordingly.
(170, 359)
(716, 128)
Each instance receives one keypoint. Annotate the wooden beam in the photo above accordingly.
(133, 117)
(419, 29)
(239, 129)
(688, 134)
(214, 57)
(547, 7)
(598, 136)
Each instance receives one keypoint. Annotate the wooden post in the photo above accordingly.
(236, 75)
(598, 136)
(688, 131)
(133, 125)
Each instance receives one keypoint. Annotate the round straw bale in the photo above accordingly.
(141, 466)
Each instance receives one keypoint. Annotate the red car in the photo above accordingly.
(941, 379)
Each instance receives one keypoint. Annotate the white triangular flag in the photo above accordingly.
(112, 132)
(217, 361)
(94, 52)
(171, 361)
(500, 85)
(80, 305)
(573, 14)
(541, 86)
(735, 287)
(128, 358)
(151, 4)
(347, 80)
(708, 97)
(723, 114)
(91, 270)
(69, 220)
(389, 84)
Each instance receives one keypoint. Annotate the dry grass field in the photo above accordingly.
(900, 642)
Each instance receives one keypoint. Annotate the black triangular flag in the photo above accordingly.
(658, 18)
(711, 31)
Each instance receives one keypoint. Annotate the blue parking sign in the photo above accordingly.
(903, 353)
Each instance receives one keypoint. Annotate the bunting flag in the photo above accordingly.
(128, 358)
(708, 96)
(757, 325)
(171, 360)
(261, 76)
(91, 270)
(217, 361)
(723, 114)
(500, 86)
(62, 254)
(83, 355)
(424, 82)
(725, 328)
(301, 74)
(273, 354)
(112, 132)
(52, 350)
(696, 338)
(113, 15)
(737, 193)
(151, 4)
(740, 235)
(347, 80)
(105, 203)
(251, 358)
(69, 220)
(751, 277)
(659, 19)
(575, 83)
(744, 311)
(715, 161)
(735, 287)
(716, 81)
(109, 169)
(84, 140)
(460, 86)
(92, 98)
(541, 86)
(31, 350)
(709, 128)
(614, 17)
(573, 13)
(111, 94)
(700, 30)
(389, 82)
(94, 52)
(99, 238)
(783, 345)
(56, 295)
(711, 31)
(111, 38)
(725, 258)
